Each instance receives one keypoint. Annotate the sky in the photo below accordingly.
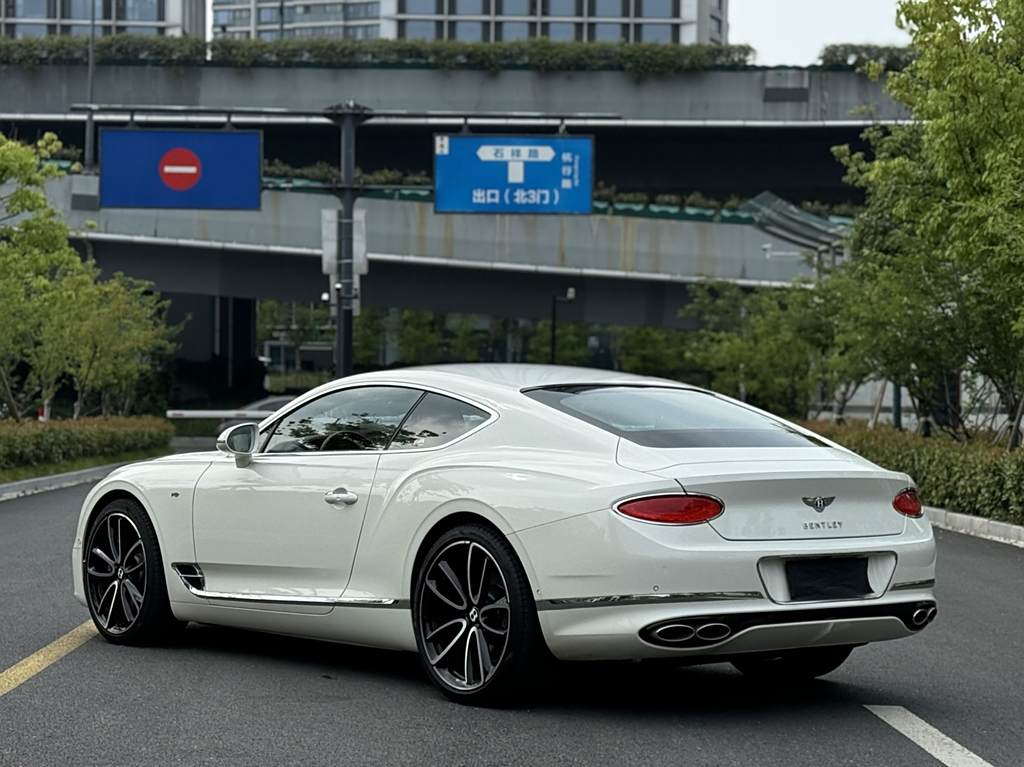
(795, 31)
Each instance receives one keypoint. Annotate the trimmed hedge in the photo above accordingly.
(971, 478)
(856, 57)
(29, 443)
(638, 59)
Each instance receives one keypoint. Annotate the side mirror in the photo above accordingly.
(239, 441)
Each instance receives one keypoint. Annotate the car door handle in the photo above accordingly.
(340, 496)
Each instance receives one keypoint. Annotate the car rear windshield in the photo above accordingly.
(666, 417)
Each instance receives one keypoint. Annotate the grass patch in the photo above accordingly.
(42, 470)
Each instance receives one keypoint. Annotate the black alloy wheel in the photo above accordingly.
(475, 619)
(124, 580)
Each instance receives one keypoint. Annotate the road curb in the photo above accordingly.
(979, 527)
(23, 487)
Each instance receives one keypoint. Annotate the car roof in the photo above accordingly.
(496, 381)
(518, 376)
(488, 383)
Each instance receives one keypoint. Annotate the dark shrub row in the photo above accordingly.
(543, 55)
(30, 442)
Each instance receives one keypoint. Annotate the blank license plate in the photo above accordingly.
(823, 579)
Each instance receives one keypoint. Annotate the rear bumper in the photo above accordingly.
(620, 578)
(663, 631)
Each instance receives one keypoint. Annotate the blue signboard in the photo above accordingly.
(513, 174)
(213, 169)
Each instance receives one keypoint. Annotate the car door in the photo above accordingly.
(284, 528)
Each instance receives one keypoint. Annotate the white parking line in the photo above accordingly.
(943, 748)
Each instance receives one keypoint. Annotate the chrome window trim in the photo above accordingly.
(266, 427)
(615, 600)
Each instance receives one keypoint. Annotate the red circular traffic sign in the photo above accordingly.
(180, 169)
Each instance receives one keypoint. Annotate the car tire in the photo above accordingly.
(475, 619)
(123, 573)
(794, 665)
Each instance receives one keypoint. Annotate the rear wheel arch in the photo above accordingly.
(465, 517)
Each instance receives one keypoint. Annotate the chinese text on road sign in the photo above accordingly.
(513, 174)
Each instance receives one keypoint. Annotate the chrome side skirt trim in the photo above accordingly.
(909, 585)
(279, 599)
(572, 603)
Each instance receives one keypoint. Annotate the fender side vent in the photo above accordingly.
(191, 575)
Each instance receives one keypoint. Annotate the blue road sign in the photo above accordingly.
(513, 174)
(214, 169)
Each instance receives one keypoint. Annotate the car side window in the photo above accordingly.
(435, 420)
(363, 418)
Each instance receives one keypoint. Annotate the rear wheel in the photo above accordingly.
(475, 619)
(794, 665)
(124, 577)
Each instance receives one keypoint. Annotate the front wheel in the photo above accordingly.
(794, 665)
(475, 618)
(124, 578)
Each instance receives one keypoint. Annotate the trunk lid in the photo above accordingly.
(781, 493)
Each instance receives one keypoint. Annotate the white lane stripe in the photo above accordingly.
(181, 169)
(943, 748)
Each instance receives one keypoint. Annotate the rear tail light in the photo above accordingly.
(673, 509)
(907, 503)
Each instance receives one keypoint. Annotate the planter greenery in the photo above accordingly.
(31, 443)
(857, 56)
(638, 59)
(968, 477)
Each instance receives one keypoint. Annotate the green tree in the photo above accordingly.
(367, 338)
(936, 283)
(419, 339)
(34, 253)
(118, 333)
(653, 351)
(570, 343)
(464, 344)
(776, 348)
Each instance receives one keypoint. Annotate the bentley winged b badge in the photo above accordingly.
(818, 502)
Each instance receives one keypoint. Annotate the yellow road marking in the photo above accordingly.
(27, 668)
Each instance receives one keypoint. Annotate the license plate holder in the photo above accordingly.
(827, 578)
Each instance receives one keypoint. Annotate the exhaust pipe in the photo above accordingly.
(932, 611)
(675, 632)
(713, 632)
(920, 616)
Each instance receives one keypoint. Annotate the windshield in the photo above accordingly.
(667, 417)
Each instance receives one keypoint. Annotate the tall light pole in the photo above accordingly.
(90, 147)
(568, 298)
(347, 116)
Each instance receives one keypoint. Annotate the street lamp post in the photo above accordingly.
(568, 298)
(347, 116)
(90, 148)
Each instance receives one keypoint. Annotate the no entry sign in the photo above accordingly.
(180, 169)
(196, 169)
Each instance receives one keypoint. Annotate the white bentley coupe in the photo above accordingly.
(492, 516)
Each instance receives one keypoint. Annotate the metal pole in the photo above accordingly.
(897, 405)
(343, 326)
(90, 146)
(554, 310)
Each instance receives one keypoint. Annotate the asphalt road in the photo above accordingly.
(231, 697)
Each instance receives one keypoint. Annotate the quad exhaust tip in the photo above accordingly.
(679, 633)
(923, 616)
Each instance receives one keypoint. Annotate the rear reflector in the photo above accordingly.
(673, 509)
(907, 503)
